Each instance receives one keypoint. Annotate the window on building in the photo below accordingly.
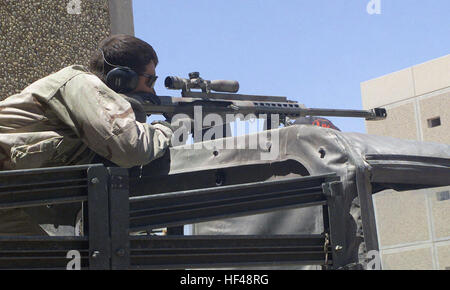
(444, 195)
(434, 122)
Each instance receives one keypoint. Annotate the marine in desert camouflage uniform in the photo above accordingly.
(72, 116)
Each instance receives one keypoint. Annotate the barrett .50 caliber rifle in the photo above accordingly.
(225, 101)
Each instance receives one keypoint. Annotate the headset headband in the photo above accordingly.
(121, 79)
(113, 65)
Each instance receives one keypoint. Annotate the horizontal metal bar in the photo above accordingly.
(436, 161)
(41, 202)
(52, 182)
(219, 212)
(40, 252)
(409, 171)
(43, 186)
(158, 241)
(44, 243)
(39, 171)
(224, 242)
(220, 208)
(43, 239)
(242, 255)
(412, 174)
(45, 269)
(31, 252)
(237, 187)
(244, 250)
(256, 203)
(40, 264)
(43, 189)
(172, 218)
(138, 265)
(230, 198)
(43, 257)
(156, 252)
(178, 208)
(183, 261)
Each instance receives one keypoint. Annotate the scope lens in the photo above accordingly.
(168, 82)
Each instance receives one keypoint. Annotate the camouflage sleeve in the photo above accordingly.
(106, 122)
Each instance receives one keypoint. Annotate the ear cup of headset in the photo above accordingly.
(122, 80)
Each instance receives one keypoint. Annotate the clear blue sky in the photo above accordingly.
(316, 52)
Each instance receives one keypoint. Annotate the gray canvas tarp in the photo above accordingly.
(310, 150)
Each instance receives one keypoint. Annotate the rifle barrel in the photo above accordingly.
(173, 105)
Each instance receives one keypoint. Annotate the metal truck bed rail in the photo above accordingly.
(199, 205)
(110, 214)
(36, 187)
(46, 253)
(227, 251)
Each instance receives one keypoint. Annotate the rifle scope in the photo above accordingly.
(195, 82)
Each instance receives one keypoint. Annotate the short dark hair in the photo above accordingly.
(122, 50)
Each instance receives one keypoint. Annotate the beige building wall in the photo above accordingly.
(413, 227)
(416, 99)
(41, 37)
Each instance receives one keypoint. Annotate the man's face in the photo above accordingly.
(142, 86)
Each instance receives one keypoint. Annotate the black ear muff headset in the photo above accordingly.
(121, 79)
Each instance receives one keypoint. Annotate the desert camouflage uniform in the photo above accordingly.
(66, 119)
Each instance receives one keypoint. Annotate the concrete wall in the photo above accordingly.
(41, 37)
(413, 97)
(413, 227)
